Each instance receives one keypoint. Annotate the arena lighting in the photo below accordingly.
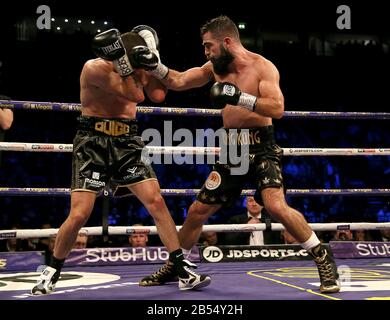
(242, 25)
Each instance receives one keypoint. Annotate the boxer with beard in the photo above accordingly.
(248, 92)
(221, 63)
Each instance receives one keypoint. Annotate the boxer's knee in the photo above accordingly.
(78, 218)
(155, 204)
(277, 209)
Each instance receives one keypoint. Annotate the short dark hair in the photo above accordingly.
(221, 27)
(131, 40)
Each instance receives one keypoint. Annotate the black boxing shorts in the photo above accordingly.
(108, 152)
(265, 170)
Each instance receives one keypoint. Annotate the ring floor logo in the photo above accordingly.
(212, 254)
(25, 281)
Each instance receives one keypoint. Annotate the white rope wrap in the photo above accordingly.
(123, 230)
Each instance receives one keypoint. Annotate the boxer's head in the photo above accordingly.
(131, 40)
(217, 35)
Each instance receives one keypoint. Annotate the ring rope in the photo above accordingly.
(5, 191)
(58, 147)
(59, 106)
(124, 230)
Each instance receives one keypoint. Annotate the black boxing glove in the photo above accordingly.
(160, 71)
(223, 93)
(142, 57)
(108, 45)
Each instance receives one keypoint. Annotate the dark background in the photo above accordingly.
(45, 65)
(322, 68)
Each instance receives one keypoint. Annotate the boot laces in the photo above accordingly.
(326, 271)
(325, 268)
(166, 269)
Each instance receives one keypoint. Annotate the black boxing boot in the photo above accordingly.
(327, 269)
(177, 268)
(166, 273)
(188, 278)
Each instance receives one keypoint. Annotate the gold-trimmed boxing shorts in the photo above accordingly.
(108, 152)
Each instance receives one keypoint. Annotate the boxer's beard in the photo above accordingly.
(221, 63)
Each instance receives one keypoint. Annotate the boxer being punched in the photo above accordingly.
(107, 150)
(247, 90)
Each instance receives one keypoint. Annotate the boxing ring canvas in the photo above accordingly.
(368, 279)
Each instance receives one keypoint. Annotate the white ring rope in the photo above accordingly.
(123, 230)
(58, 147)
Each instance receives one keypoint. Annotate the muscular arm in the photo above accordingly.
(271, 101)
(191, 78)
(6, 118)
(101, 74)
